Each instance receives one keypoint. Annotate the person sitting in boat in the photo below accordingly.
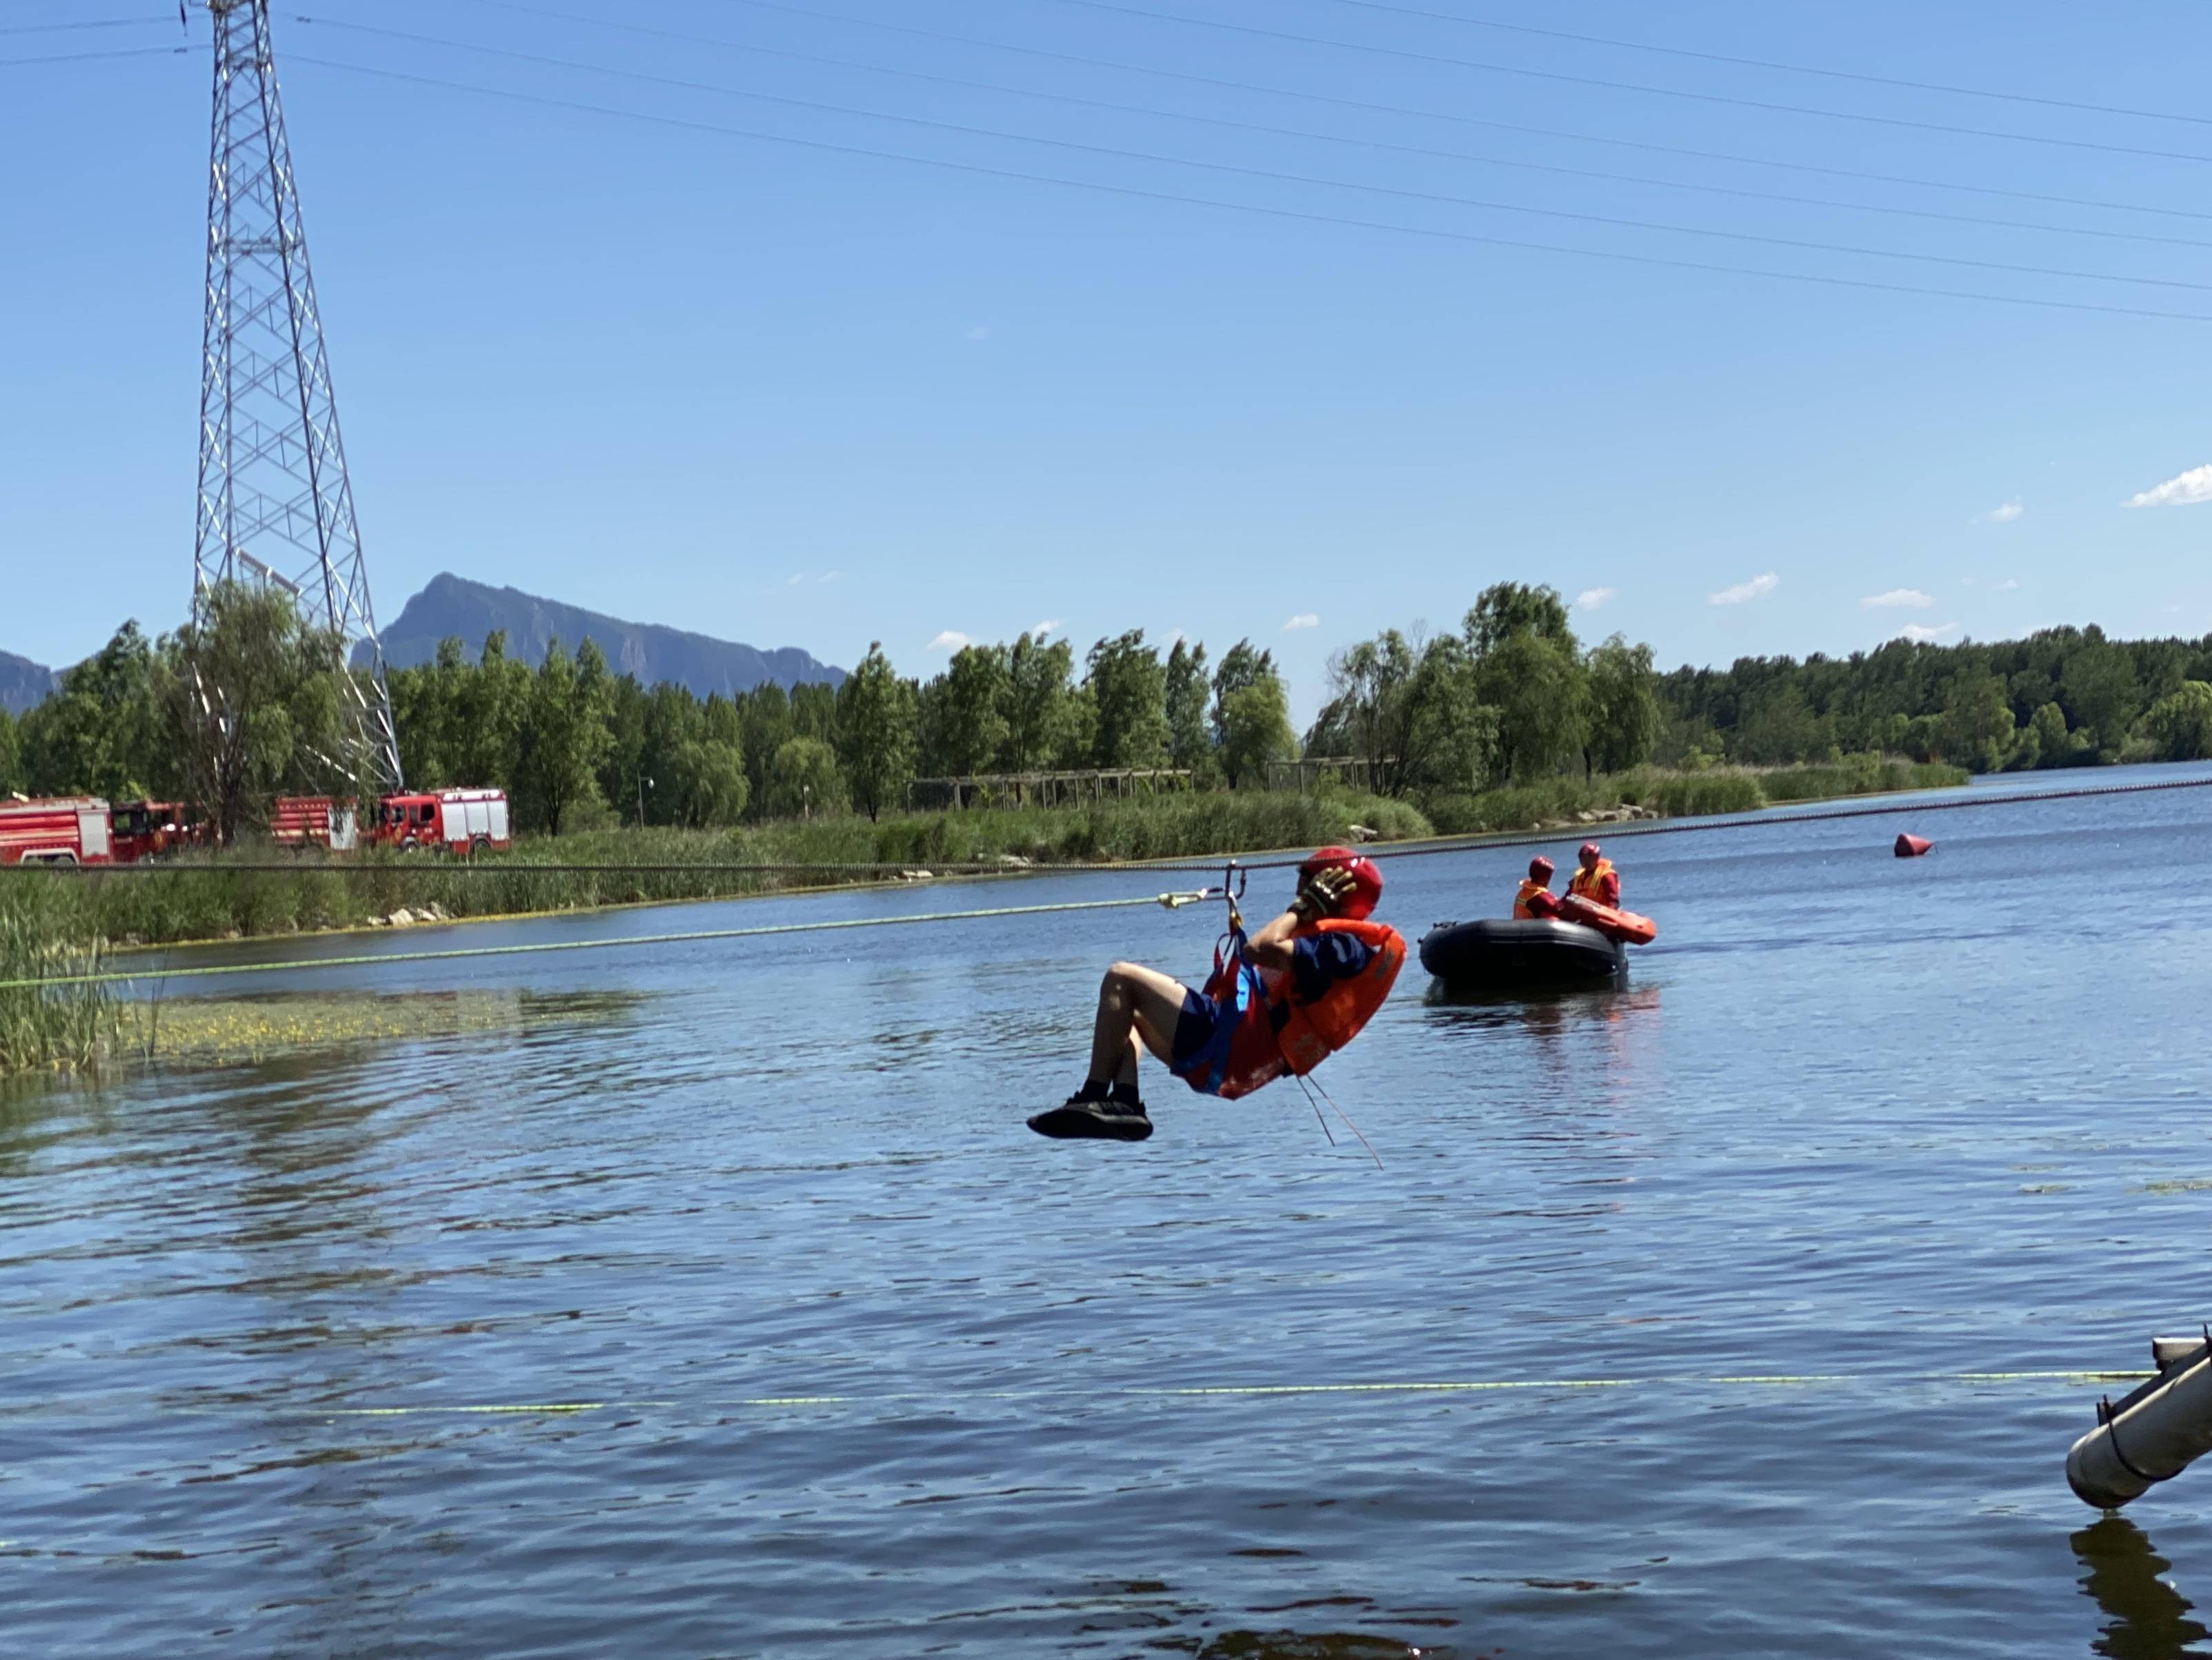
(1537, 898)
(1596, 881)
(1281, 999)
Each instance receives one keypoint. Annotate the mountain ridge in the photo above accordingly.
(450, 606)
(24, 684)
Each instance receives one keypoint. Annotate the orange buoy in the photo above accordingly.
(1912, 846)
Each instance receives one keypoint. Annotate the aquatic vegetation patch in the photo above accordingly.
(226, 1031)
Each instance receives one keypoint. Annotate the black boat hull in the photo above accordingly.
(1543, 951)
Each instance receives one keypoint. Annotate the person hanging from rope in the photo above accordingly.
(1280, 1001)
(1596, 881)
(1537, 898)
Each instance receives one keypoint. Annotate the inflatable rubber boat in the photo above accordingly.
(1540, 952)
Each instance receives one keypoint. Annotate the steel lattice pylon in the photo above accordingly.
(275, 503)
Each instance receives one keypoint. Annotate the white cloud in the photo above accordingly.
(981, 332)
(950, 639)
(794, 579)
(2008, 584)
(1304, 619)
(1591, 598)
(1758, 588)
(1897, 599)
(2182, 491)
(829, 576)
(1917, 631)
(1049, 627)
(2003, 514)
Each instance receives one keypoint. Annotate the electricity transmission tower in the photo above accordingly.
(275, 507)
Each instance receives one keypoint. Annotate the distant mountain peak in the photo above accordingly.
(23, 683)
(451, 606)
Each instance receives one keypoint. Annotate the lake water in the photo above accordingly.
(864, 1368)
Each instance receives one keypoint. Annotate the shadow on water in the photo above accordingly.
(1542, 1010)
(2149, 1619)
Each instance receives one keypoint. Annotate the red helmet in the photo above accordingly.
(1367, 880)
(1589, 853)
(1540, 869)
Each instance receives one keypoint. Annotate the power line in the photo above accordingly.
(1303, 216)
(1561, 76)
(1769, 63)
(1434, 197)
(96, 56)
(99, 23)
(1514, 162)
(1364, 105)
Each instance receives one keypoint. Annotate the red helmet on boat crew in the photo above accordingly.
(1540, 869)
(1591, 852)
(1367, 880)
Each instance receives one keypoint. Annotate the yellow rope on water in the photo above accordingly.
(1473, 1386)
(366, 959)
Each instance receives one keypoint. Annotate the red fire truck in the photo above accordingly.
(61, 830)
(457, 821)
(313, 821)
(150, 830)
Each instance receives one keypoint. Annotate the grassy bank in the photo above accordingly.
(1657, 793)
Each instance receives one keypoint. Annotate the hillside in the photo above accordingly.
(22, 683)
(452, 607)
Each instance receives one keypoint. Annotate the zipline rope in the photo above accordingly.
(1229, 1391)
(1414, 847)
(1169, 900)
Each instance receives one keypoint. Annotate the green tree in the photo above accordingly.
(876, 733)
(493, 707)
(1536, 682)
(1241, 665)
(11, 775)
(1036, 707)
(1257, 730)
(803, 780)
(1977, 729)
(1505, 609)
(707, 783)
(765, 714)
(1128, 686)
(253, 696)
(2179, 725)
(1189, 744)
(2054, 744)
(2100, 691)
(1626, 719)
(970, 699)
(1779, 728)
(624, 763)
(100, 734)
(564, 737)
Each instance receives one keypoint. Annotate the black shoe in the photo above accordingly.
(1086, 1117)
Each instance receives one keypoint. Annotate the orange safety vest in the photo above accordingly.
(1585, 884)
(1279, 1034)
(1529, 889)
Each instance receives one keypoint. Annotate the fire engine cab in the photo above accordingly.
(458, 820)
(150, 830)
(61, 830)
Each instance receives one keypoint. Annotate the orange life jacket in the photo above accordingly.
(1277, 1033)
(1529, 889)
(1586, 882)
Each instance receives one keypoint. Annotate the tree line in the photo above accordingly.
(2065, 697)
(246, 701)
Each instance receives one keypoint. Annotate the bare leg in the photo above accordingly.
(1134, 1004)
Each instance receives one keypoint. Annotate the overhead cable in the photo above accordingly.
(1862, 284)
(95, 57)
(1515, 163)
(1364, 105)
(1768, 105)
(1823, 71)
(91, 23)
(1610, 222)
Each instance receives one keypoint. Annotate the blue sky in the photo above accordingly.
(791, 394)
